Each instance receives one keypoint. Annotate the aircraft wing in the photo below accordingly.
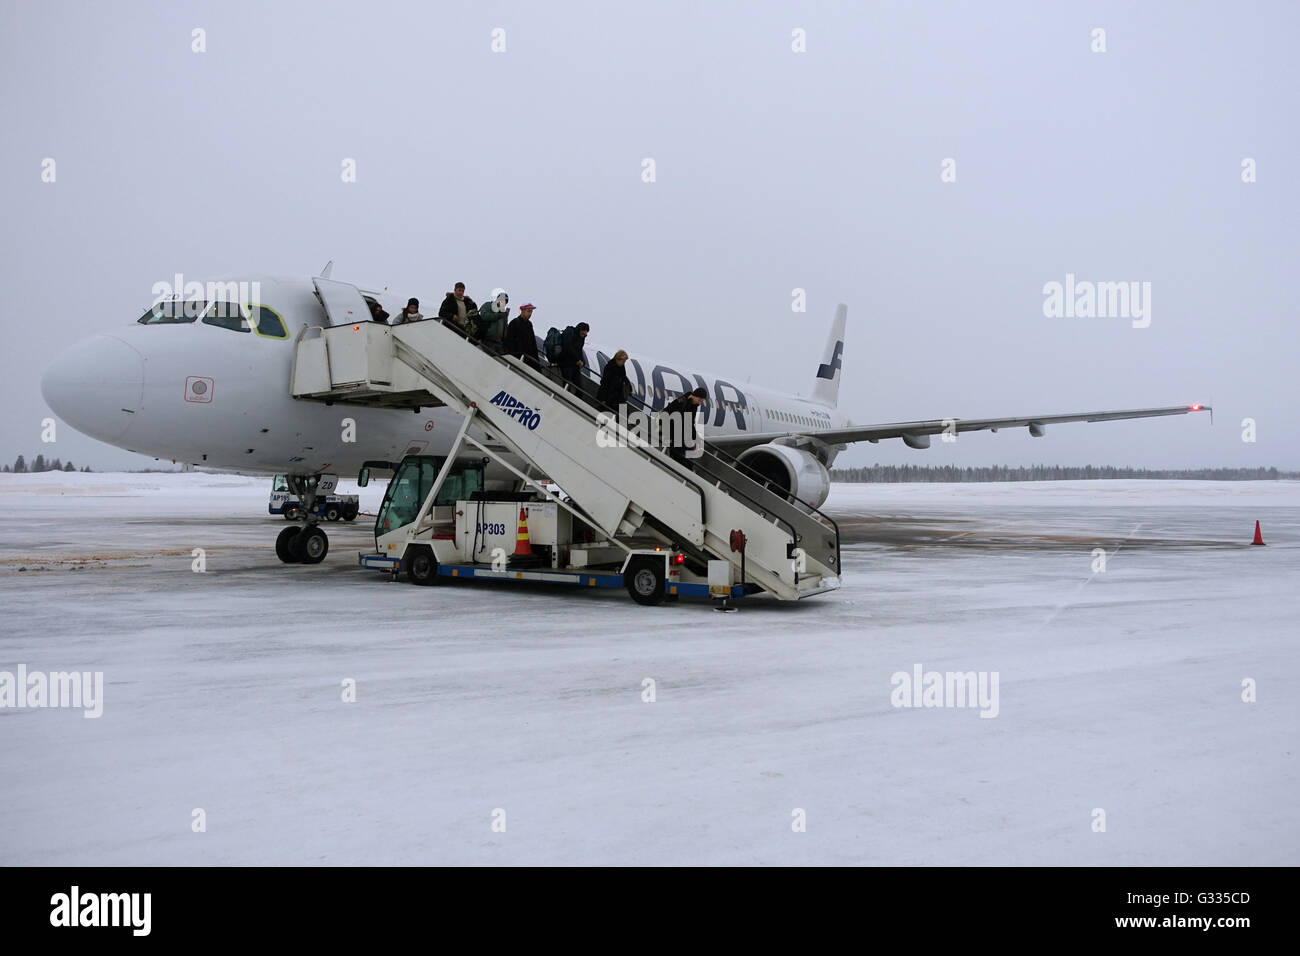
(917, 434)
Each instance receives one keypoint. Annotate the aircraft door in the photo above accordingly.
(343, 303)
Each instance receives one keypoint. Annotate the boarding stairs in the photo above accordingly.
(623, 485)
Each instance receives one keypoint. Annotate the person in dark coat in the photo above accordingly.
(458, 307)
(377, 313)
(521, 340)
(571, 354)
(615, 388)
(680, 437)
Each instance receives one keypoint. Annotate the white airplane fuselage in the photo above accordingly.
(200, 393)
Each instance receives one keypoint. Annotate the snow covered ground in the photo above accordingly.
(1118, 690)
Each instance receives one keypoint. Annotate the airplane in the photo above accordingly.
(205, 380)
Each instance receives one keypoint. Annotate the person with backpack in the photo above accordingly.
(521, 340)
(615, 388)
(570, 357)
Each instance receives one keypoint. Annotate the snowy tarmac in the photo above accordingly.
(1118, 690)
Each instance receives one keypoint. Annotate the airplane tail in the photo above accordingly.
(826, 387)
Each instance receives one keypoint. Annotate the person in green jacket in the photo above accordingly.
(492, 320)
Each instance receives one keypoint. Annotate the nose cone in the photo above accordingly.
(96, 386)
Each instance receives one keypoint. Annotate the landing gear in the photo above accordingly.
(311, 545)
(305, 542)
(284, 545)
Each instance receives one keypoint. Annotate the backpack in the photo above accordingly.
(551, 344)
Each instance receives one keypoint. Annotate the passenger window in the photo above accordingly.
(227, 315)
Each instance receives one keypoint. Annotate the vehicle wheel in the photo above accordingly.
(311, 545)
(284, 545)
(421, 566)
(332, 513)
(644, 580)
(350, 513)
(290, 512)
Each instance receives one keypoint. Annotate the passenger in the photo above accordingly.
(409, 314)
(571, 354)
(458, 307)
(521, 340)
(679, 438)
(615, 389)
(377, 314)
(492, 322)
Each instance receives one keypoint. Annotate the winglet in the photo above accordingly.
(329, 267)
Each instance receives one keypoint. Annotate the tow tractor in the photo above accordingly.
(331, 507)
(437, 522)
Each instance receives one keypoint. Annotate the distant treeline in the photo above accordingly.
(953, 473)
(40, 463)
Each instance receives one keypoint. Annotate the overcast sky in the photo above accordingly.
(774, 170)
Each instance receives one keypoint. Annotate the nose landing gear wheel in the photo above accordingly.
(284, 545)
(311, 545)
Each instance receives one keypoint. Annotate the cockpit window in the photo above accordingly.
(267, 322)
(228, 315)
(172, 311)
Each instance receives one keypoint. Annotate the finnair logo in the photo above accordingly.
(73, 689)
(837, 358)
(102, 909)
(922, 688)
(517, 410)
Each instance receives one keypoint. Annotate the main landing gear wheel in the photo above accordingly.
(421, 566)
(644, 580)
(311, 545)
(284, 545)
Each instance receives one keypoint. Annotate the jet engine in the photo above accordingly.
(792, 471)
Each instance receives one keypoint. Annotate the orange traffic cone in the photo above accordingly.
(1259, 538)
(522, 548)
(524, 556)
